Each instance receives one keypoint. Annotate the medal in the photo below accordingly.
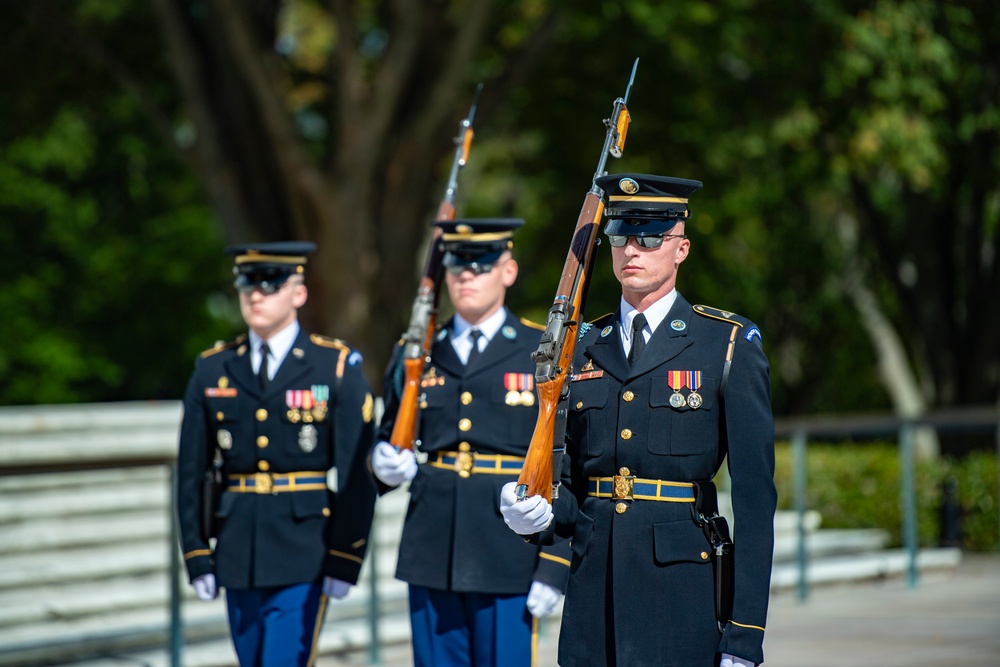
(225, 439)
(308, 437)
(694, 400)
(293, 399)
(677, 380)
(321, 395)
(519, 389)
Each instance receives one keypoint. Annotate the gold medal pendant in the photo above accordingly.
(694, 382)
(677, 381)
(513, 397)
(527, 398)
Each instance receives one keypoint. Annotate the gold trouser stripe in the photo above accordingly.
(321, 612)
(556, 559)
(197, 552)
(341, 554)
(744, 625)
(534, 641)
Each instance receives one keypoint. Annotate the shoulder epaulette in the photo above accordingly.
(323, 341)
(596, 322)
(223, 345)
(717, 314)
(533, 325)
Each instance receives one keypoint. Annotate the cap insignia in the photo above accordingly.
(628, 186)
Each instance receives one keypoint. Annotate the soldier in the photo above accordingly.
(287, 419)
(476, 590)
(662, 392)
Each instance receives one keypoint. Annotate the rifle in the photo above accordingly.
(554, 356)
(419, 335)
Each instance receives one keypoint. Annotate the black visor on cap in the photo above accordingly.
(472, 260)
(640, 226)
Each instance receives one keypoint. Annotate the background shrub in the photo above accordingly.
(858, 485)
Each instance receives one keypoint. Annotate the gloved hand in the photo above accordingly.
(531, 515)
(205, 587)
(542, 599)
(335, 588)
(732, 661)
(392, 466)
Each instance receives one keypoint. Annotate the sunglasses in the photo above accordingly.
(646, 241)
(476, 268)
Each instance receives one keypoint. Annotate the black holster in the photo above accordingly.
(706, 515)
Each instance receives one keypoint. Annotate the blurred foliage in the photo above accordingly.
(858, 485)
(829, 134)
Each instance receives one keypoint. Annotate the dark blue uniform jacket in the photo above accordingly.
(284, 538)
(454, 537)
(641, 589)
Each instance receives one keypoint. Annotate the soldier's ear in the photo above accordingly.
(509, 274)
(300, 295)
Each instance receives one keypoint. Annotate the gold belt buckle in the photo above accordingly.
(624, 484)
(263, 482)
(463, 464)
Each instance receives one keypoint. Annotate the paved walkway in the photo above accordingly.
(951, 619)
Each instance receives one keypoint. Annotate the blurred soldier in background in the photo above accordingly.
(272, 465)
(476, 589)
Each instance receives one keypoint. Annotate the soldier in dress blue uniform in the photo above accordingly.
(286, 418)
(662, 391)
(476, 589)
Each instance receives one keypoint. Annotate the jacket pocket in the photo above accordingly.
(587, 400)
(679, 542)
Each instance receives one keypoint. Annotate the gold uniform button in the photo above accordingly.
(466, 397)
(579, 405)
(264, 465)
(626, 434)
(465, 425)
(464, 447)
(262, 441)
(261, 415)
(220, 416)
(620, 508)
(326, 511)
(628, 396)
(704, 555)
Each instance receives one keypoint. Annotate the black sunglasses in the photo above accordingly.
(475, 267)
(645, 241)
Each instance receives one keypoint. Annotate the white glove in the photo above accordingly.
(393, 466)
(335, 588)
(733, 661)
(205, 587)
(542, 599)
(531, 515)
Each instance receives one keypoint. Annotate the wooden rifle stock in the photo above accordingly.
(419, 335)
(554, 356)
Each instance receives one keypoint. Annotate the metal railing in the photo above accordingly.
(799, 430)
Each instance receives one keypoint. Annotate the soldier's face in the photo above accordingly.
(268, 314)
(477, 296)
(646, 274)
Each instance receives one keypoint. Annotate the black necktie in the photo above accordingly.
(474, 335)
(262, 378)
(638, 340)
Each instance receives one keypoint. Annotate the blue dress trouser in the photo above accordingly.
(471, 629)
(276, 627)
